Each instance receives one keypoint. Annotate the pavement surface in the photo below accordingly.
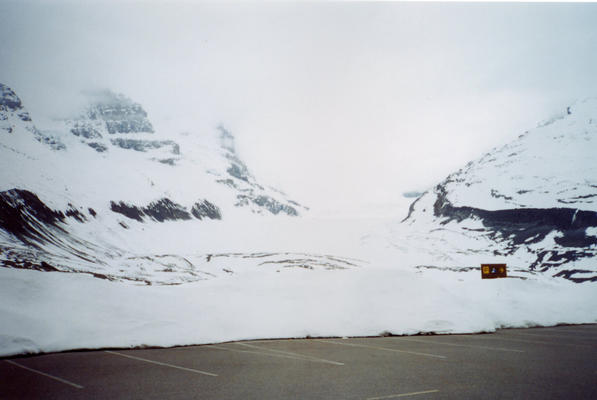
(538, 363)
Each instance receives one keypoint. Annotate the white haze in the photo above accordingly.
(342, 105)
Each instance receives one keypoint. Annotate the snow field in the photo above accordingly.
(52, 311)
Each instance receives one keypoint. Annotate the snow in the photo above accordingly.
(552, 165)
(52, 311)
(255, 275)
(245, 295)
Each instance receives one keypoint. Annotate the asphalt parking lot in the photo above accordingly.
(538, 363)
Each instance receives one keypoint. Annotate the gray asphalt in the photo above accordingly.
(539, 363)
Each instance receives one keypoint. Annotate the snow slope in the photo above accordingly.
(98, 193)
(531, 204)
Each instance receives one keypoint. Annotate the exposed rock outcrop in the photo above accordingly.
(14, 117)
(252, 194)
(205, 209)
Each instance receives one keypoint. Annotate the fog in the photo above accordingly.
(344, 106)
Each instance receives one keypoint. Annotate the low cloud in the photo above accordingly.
(340, 104)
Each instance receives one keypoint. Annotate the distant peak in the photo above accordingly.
(14, 117)
(9, 100)
(226, 139)
(120, 113)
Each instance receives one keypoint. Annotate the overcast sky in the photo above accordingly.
(339, 104)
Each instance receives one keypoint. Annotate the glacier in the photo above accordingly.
(116, 233)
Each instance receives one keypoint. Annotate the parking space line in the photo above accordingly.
(485, 337)
(45, 374)
(276, 353)
(554, 336)
(261, 353)
(309, 358)
(395, 396)
(161, 363)
(460, 345)
(569, 330)
(382, 348)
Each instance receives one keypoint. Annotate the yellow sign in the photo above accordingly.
(490, 271)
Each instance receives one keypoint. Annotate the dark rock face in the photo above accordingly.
(28, 220)
(569, 274)
(129, 211)
(165, 209)
(521, 227)
(99, 147)
(205, 209)
(525, 225)
(160, 210)
(26, 217)
(87, 131)
(9, 101)
(74, 213)
(548, 259)
(120, 114)
(576, 238)
(144, 145)
(25, 264)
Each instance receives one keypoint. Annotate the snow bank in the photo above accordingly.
(52, 311)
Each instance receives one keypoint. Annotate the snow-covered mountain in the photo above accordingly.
(531, 203)
(111, 195)
(99, 192)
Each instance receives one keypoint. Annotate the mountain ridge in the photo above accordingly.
(521, 196)
(107, 175)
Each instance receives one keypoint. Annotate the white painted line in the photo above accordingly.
(382, 348)
(485, 337)
(261, 353)
(161, 363)
(276, 353)
(569, 330)
(459, 345)
(395, 396)
(567, 337)
(308, 358)
(46, 375)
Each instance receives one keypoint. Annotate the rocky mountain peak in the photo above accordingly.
(112, 119)
(14, 117)
(118, 113)
(9, 101)
(11, 107)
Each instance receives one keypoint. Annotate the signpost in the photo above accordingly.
(491, 271)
